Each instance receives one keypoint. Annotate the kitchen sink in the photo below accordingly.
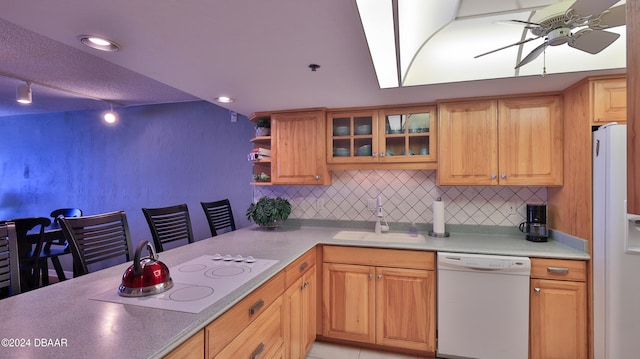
(383, 237)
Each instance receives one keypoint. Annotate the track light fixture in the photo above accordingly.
(23, 93)
(110, 116)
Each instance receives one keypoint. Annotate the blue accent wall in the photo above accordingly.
(154, 156)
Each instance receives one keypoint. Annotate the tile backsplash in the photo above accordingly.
(407, 196)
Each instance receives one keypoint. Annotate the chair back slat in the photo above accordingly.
(219, 216)
(169, 224)
(9, 265)
(29, 250)
(97, 239)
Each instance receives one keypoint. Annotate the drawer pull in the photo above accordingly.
(256, 307)
(537, 290)
(303, 266)
(558, 270)
(256, 353)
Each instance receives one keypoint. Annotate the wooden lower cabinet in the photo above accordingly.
(383, 305)
(558, 310)
(193, 348)
(262, 339)
(254, 324)
(300, 314)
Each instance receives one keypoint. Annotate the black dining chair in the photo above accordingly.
(58, 247)
(219, 216)
(97, 241)
(9, 264)
(30, 238)
(169, 224)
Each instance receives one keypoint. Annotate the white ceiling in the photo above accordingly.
(257, 52)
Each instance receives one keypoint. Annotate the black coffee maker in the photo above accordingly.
(536, 224)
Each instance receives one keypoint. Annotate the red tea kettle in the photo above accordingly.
(146, 276)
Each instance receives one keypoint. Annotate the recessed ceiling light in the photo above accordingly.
(99, 43)
(224, 99)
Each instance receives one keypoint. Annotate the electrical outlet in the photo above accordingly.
(510, 208)
(234, 116)
(319, 204)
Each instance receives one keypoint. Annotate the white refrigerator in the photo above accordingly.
(616, 250)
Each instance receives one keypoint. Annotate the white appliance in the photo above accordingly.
(483, 306)
(616, 250)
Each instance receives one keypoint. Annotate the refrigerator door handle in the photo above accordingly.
(597, 147)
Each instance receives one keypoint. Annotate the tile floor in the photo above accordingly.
(321, 350)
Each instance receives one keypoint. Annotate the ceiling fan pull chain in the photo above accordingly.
(544, 63)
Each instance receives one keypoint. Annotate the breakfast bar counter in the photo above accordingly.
(64, 320)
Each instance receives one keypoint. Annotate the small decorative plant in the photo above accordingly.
(263, 127)
(269, 212)
(262, 177)
(263, 122)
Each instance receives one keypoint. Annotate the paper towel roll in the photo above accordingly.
(438, 216)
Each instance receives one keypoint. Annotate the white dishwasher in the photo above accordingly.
(483, 306)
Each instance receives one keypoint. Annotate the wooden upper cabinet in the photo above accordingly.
(530, 141)
(399, 135)
(609, 100)
(468, 138)
(501, 142)
(298, 148)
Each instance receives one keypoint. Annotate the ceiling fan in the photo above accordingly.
(555, 23)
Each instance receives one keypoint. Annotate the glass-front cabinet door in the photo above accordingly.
(407, 134)
(391, 135)
(352, 137)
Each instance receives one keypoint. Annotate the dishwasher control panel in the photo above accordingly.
(467, 261)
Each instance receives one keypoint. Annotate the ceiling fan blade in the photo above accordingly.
(592, 41)
(508, 46)
(528, 23)
(613, 17)
(533, 55)
(584, 8)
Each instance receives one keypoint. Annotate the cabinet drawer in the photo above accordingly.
(192, 348)
(559, 269)
(228, 326)
(379, 257)
(262, 339)
(299, 267)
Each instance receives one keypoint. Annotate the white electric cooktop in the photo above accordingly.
(198, 283)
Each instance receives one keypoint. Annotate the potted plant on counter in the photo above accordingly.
(269, 212)
(263, 127)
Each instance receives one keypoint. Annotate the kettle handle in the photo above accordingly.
(137, 268)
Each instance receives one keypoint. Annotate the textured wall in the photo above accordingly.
(407, 197)
(154, 156)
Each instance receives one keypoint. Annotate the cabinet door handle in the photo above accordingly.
(371, 276)
(493, 176)
(537, 290)
(379, 276)
(558, 270)
(503, 176)
(303, 266)
(256, 353)
(374, 154)
(317, 178)
(381, 154)
(256, 307)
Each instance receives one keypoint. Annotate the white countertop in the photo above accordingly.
(63, 313)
